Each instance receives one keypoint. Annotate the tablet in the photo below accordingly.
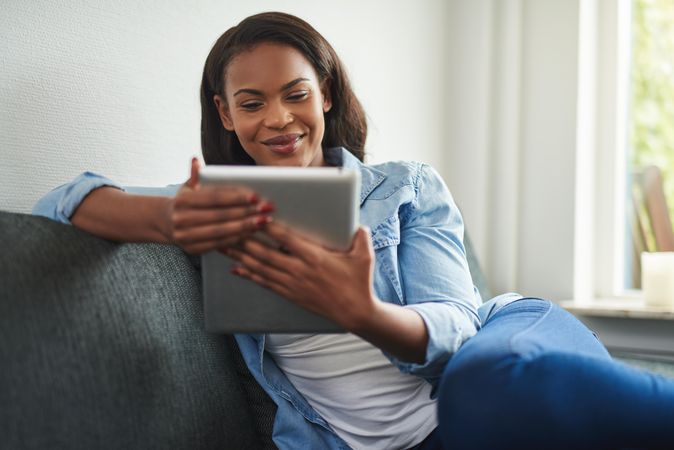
(320, 202)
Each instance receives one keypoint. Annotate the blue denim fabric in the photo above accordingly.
(61, 203)
(535, 377)
(417, 234)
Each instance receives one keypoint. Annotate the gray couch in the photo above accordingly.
(102, 346)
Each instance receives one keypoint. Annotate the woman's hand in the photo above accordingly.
(200, 219)
(334, 284)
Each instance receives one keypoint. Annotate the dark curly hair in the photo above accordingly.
(345, 124)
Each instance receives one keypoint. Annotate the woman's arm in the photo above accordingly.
(441, 304)
(334, 284)
(116, 215)
(434, 274)
(398, 331)
(196, 219)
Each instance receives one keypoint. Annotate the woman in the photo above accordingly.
(275, 93)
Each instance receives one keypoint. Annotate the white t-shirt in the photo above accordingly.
(367, 401)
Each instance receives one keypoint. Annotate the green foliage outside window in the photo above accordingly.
(651, 128)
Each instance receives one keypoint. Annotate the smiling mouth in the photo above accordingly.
(284, 144)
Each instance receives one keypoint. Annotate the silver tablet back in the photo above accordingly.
(323, 203)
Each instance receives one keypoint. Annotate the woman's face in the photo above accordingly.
(275, 103)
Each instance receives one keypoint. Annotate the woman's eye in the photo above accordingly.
(295, 96)
(251, 106)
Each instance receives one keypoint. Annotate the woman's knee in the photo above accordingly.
(516, 399)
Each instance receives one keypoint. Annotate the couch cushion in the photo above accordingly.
(102, 346)
(261, 405)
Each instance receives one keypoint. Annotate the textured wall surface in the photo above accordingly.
(113, 87)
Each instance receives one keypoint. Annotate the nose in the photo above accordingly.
(278, 116)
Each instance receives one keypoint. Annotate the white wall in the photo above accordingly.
(512, 138)
(485, 90)
(113, 86)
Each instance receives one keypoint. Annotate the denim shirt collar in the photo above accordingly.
(370, 177)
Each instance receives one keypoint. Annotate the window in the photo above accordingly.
(650, 134)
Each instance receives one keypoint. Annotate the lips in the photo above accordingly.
(283, 139)
(286, 143)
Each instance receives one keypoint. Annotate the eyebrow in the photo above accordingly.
(283, 88)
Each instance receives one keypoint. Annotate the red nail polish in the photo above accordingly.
(266, 207)
(254, 199)
(262, 220)
(236, 271)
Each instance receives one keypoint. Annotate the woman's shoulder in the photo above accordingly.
(399, 174)
(400, 168)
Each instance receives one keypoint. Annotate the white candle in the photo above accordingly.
(657, 278)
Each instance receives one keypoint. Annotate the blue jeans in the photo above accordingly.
(535, 377)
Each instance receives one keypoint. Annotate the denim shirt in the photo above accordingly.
(420, 264)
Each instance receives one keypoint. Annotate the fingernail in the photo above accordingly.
(262, 220)
(236, 271)
(265, 207)
(254, 198)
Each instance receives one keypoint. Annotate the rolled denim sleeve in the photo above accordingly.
(61, 202)
(436, 279)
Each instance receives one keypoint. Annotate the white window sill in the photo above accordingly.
(626, 308)
(627, 326)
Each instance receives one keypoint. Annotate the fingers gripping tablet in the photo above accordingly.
(320, 203)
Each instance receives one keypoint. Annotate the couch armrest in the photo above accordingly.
(102, 345)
